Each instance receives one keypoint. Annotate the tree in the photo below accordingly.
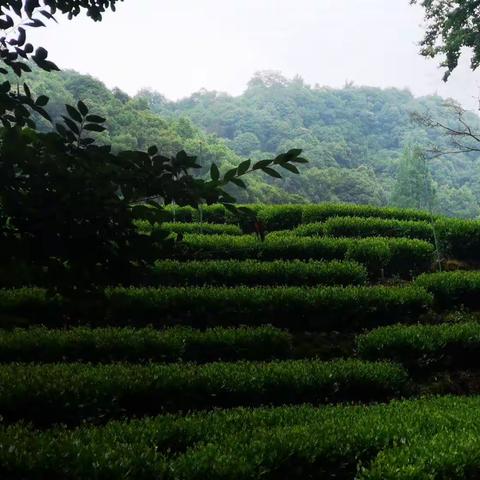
(67, 204)
(414, 186)
(452, 26)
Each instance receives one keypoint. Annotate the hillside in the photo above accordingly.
(354, 137)
(306, 355)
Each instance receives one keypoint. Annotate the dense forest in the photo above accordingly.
(358, 139)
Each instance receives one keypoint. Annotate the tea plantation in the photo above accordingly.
(344, 346)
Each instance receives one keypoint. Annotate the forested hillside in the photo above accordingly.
(354, 137)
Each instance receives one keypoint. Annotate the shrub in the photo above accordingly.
(342, 444)
(403, 439)
(254, 272)
(210, 214)
(324, 211)
(184, 228)
(280, 217)
(451, 289)
(72, 393)
(293, 307)
(376, 253)
(409, 257)
(174, 213)
(40, 344)
(448, 344)
(368, 227)
(459, 239)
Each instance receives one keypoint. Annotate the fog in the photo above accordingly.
(180, 46)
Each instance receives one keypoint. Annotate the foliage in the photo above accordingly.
(452, 26)
(67, 204)
(452, 289)
(314, 308)
(254, 272)
(400, 255)
(39, 344)
(71, 393)
(245, 443)
(324, 211)
(459, 239)
(367, 227)
(354, 137)
(183, 228)
(413, 187)
(447, 345)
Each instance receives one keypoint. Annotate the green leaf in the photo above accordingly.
(294, 152)
(95, 119)
(94, 127)
(214, 173)
(262, 164)
(290, 167)
(153, 150)
(243, 167)
(239, 183)
(74, 113)
(271, 172)
(42, 100)
(83, 109)
(299, 160)
(230, 175)
(71, 125)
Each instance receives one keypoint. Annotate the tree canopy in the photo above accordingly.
(452, 26)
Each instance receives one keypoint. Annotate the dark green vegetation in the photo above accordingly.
(98, 384)
(150, 382)
(356, 138)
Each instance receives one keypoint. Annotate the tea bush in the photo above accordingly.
(254, 272)
(72, 393)
(40, 344)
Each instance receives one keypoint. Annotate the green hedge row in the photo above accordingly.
(40, 344)
(281, 217)
(368, 227)
(297, 308)
(184, 228)
(72, 393)
(415, 439)
(396, 255)
(459, 239)
(446, 344)
(451, 289)
(254, 272)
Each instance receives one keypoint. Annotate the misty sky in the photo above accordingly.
(180, 46)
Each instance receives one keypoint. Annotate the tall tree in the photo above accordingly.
(414, 186)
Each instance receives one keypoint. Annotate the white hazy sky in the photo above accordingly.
(179, 46)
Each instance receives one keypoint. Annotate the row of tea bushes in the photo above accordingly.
(73, 393)
(184, 228)
(284, 217)
(451, 289)
(297, 308)
(459, 239)
(448, 345)
(39, 344)
(401, 440)
(367, 227)
(398, 256)
(254, 272)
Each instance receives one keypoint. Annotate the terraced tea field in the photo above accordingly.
(333, 349)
